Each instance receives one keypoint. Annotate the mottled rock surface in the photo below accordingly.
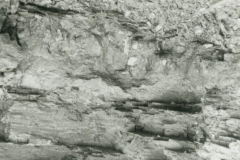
(124, 80)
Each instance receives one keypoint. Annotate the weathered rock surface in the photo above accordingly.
(130, 79)
(27, 152)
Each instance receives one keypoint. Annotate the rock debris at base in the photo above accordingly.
(119, 80)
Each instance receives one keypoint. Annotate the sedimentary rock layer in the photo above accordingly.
(130, 79)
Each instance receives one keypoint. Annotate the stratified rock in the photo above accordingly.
(123, 79)
(11, 151)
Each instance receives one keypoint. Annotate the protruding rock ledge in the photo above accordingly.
(130, 105)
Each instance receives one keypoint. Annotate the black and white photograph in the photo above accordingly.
(119, 79)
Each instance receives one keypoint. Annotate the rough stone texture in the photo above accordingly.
(129, 79)
(27, 152)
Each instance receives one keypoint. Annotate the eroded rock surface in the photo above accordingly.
(130, 79)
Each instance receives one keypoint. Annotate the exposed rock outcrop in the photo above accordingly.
(130, 79)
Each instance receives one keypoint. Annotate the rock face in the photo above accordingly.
(124, 80)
